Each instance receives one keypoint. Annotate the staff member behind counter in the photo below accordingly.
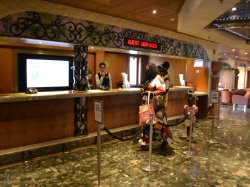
(103, 78)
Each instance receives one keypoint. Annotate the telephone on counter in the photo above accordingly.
(31, 91)
(104, 88)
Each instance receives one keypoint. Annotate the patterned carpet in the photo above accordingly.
(225, 164)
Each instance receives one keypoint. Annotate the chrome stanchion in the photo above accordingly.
(218, 117)
(190, 152)
(99, 128)
(212, 141)
(148, 166)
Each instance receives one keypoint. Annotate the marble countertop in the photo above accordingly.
(180, 88)
(21, 96)
(14, 97)
(196, 93)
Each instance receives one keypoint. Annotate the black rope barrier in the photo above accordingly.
(123, 139)
(178, 123)
(140, 130)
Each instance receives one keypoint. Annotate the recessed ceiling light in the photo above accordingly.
(172, 19)
(236, 56)
(154, 11)
(234, 8)
(245, 53)
(233, 49)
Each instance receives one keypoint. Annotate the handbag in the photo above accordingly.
(145, 111)
(158, 102)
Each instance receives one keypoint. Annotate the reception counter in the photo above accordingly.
(34, 118)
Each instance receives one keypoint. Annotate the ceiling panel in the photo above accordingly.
(134, 10)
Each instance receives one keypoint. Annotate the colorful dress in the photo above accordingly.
(160, 131)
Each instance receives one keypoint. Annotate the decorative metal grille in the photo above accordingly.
(80, 119)
(80, 67)
(45, 26)
(80, 83)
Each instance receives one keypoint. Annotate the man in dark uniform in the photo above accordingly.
(103, 78)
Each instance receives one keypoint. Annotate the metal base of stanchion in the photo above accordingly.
(212, 141)
(219, 127)
(147, 167)
(189, 153)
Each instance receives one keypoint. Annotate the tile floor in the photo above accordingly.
(226, 164)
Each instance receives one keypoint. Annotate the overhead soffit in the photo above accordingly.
(140, 11)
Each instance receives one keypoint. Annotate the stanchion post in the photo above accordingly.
(212, 141)
(98, 106)
(215, 101)
(218, 117)
(190, 152)
(99, 153)
(148, 166)
(150, 141)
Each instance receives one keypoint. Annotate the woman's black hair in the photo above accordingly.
(152, 71)
(165, 65)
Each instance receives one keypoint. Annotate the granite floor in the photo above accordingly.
(226, 164)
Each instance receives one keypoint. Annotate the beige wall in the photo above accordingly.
(242, 77)
(226, 78)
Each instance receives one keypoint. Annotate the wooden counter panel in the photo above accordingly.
(25, 123)
(119, 110)
(176, 102)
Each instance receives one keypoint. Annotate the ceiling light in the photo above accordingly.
(236, 56)
(233, 49)
(234, 8)
(225, 54)
(245, 53)
(172, 19)
(154, 11)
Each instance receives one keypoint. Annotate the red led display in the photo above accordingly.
(141, 44)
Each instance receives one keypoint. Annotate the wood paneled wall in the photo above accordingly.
(24, 123)
(6, 70)
(201, 79)
(119, 111)
(117, 63)
(177, 66)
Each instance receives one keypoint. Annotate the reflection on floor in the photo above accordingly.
(225, 164)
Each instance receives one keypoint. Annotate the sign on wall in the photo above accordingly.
(130, 42)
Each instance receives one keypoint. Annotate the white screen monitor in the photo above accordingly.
(47, 73)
